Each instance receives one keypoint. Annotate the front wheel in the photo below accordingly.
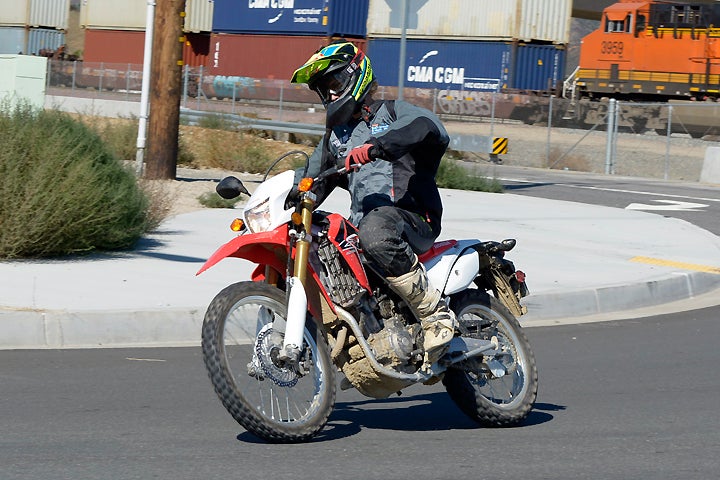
(241, 336)
(495, 391)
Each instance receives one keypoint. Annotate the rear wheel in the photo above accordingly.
(495, 391)
(241, 338)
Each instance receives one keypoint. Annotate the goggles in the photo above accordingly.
(333, 84)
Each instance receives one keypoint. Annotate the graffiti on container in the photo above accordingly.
(232, 86)
(464, 103)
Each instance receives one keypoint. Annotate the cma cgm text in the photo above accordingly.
(437, 75)
(271, 3)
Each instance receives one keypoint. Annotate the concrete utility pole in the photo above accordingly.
(166, 90)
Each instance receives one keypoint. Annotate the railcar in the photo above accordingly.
(654, 51)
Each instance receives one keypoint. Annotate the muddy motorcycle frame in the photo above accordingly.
(324, 315)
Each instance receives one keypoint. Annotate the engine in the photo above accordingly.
(394, 345)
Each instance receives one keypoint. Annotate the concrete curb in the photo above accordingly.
(619, 298)
(174, 327)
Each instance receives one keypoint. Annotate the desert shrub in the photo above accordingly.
(216, 122)
(236, 151)
(566, 161)
(119, 135)
(213, 200)
(453, 175)
(61, 189)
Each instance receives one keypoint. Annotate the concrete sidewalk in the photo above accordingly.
(580, 260)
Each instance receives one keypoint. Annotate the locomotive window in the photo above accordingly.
(618, 26)
(640, 25)
(677, 14)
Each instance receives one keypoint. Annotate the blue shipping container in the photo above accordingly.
(539, 67)
(44, 39)
(292, 17)
(467, 65)
(442, 64)
(12, 40)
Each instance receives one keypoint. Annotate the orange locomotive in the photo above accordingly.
(653, 51)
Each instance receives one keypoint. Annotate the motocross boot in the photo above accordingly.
(437, 320)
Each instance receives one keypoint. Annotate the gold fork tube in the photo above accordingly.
(302, 246)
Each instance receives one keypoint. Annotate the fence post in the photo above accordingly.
(492, 115)
(185, 86)
(549, 130)
(615, 136)
(127, 82)
(667, 145)
(102, 74)
(200, 80)
(610, 133)
(282, 89)
(73, 75)
(48, 74)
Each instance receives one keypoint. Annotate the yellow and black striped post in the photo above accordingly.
(499, 147)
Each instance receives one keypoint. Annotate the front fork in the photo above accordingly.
(297, 298)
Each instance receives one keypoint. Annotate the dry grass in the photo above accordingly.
(558, 160)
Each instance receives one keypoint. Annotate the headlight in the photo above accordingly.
(258, 217)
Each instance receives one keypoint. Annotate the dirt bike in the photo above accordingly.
(315, 306)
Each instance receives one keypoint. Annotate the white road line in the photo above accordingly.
(617, 190)
(671, 205)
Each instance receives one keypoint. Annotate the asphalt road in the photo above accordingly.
(693, 202)
(628, 399)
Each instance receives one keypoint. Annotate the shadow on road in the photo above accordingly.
(416, 413)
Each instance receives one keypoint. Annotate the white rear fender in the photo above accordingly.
(455, 269)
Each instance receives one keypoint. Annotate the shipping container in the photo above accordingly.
(199, 15)
(196, 50)
(128, 47)
(468, 65)
(132, 15)
(47, 39)
(292, 17)
(13, 40)
(526, 20)
(14, 13)
(262, 56)
(49, 13)
(539, 67)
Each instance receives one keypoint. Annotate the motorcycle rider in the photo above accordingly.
(391, 150)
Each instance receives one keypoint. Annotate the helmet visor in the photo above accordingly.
(310, 69)
(334, 84)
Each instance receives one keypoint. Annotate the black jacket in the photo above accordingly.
(410, 141)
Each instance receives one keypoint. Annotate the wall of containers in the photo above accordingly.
(117, 35)
(29, 26)
(480, 45)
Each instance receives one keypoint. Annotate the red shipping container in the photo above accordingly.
(128, 46)
(263, 56)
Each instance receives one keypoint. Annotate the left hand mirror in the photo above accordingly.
(231, 187)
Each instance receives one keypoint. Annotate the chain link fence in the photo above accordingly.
(660, 140)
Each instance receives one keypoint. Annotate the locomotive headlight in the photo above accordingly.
(258, 216)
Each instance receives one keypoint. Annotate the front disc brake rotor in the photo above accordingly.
(266, 351)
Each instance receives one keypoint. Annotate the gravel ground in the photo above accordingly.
(647, 155)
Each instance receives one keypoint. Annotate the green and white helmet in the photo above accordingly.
(341, 75)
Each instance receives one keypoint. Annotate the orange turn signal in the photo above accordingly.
(237, 225)
(296, 218)
(305, 184)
